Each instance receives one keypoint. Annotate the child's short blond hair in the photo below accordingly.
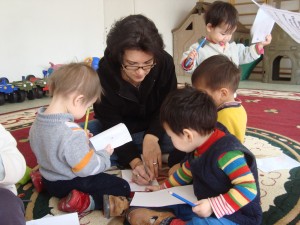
(75, 77)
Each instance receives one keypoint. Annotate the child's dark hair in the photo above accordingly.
(133, 32)
(217, 72)
(222, 12)
(188, 108)
(76, 78)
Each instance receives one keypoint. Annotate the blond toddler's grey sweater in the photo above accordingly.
(62, 148)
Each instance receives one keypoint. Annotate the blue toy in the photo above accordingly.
(7, 91)
(93, 62)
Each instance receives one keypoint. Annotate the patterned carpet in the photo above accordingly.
(273, 123)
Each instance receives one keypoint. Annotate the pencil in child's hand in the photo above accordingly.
(86, 119)
(182, 199)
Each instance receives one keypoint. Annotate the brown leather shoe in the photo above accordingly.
(144, 216)
(114, 205)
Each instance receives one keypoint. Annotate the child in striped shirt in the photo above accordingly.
(223, 171)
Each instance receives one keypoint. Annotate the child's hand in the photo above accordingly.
(189, 61)
(153, 188)
(203, 208)
(89, 135)
(193, 54)
(109, 149)
(267, 41)
(260, 45)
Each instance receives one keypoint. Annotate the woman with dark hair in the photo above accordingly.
(136, 74)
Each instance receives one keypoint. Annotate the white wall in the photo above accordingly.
(34, 32)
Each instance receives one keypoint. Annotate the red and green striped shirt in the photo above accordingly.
(234, 165)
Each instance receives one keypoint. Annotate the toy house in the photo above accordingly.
(192, 28)
(281, 60)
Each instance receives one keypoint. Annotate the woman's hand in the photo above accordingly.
(203, 208)
(152, 154)
(140, 174)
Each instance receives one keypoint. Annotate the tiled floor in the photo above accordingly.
(10, 107)
(249, 84)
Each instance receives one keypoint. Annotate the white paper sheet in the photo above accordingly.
(66, 219)
(115, 136)
(288, 21)
(127, 175)
(262, 26)
(276, 163)
(163, 198)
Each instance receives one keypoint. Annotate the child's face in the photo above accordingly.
(186, 142)
(220, 34)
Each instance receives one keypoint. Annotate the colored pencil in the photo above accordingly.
(182, 199)
(86, 119)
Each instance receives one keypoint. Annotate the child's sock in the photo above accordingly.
(92, 204)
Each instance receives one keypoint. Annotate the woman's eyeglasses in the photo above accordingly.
(135, 68)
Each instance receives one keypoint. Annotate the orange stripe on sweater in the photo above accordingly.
(76, 128)
(86, 159)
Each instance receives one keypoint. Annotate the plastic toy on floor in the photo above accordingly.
(26, 176)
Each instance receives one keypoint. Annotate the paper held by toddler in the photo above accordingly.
(115, 136)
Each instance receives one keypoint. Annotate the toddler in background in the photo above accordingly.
(221, 21)
(71, 169)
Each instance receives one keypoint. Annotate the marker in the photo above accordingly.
(201, 44)
(182, 199)
(87, 118)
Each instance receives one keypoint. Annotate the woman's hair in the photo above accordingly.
(222, 12)
(217, 72)
(75, 77)
(134, 32)
(188, 108)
